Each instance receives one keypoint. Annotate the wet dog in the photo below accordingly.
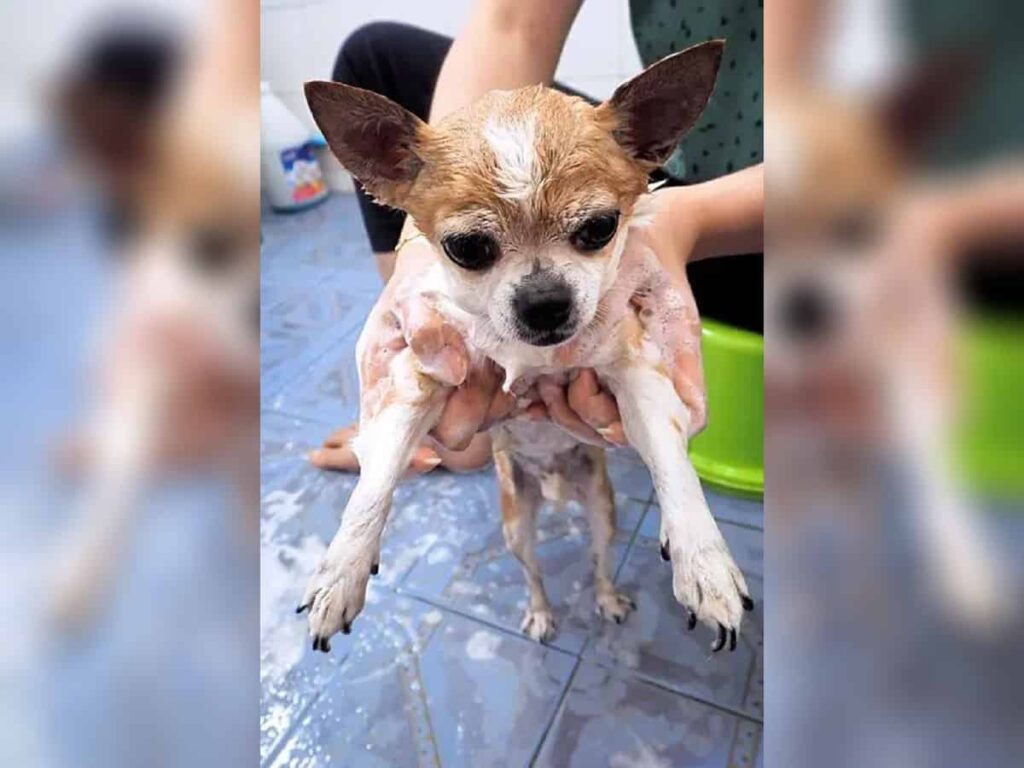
(531, 195)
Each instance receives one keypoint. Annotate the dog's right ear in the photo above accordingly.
(374, 138)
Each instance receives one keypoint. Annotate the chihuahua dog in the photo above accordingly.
(530, 195)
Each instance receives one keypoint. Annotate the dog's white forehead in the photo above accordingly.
(512, 139)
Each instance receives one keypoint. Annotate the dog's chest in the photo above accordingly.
(538, 441)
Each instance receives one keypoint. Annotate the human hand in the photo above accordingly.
(403, 318)
(666, 310)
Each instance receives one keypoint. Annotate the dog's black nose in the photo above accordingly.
(543, 305)
(807, 312)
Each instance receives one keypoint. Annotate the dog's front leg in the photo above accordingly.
(705, 578)
(409, 405)
(123, 435)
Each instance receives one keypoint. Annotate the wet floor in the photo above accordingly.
(436, 672)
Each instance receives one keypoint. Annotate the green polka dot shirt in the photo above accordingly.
(729, 135)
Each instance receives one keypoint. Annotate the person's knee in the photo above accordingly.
(358, 61)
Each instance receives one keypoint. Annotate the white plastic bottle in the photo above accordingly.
(291, 175)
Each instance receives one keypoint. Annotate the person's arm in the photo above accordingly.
(721, 217)
(505, 44)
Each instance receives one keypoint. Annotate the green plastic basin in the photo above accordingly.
(990, 441)
(729, 453)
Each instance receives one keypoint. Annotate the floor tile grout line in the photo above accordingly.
(640, 677)
(329, 347)
(292, 415)
(296, 722)
(483, 622)
(619, 567)
(554, 715)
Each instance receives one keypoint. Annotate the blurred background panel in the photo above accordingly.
(894, 316)
(129, 288)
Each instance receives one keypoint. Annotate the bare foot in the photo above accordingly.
(337, 454)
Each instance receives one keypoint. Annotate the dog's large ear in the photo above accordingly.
(924, 102)
(655, 109)
(374, 138)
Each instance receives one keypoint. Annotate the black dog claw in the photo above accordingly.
(346, 629)
(732, 640)
(720, 642)
(375, 569)
(748, 604)
(301, 608)
(665, 553)
(692, 621)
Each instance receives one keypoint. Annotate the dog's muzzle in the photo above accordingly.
(544, 308)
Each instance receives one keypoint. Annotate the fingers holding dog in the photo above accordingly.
(596, 407)
(476, 404)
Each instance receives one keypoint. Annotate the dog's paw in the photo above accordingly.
(539, 625)
(613, 606)
(73, 600)
(335, 596)
(79, 584)
(706, 580)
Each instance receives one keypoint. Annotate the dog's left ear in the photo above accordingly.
(375, 139)
(655, 109)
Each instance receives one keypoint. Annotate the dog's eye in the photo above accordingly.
(212, 249)
(474, 251)
(595, 232)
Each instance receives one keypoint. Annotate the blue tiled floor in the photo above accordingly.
(436, 671)
(173, 650)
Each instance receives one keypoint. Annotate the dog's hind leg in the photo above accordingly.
(599, 501)
(407, 408)
(520, 499)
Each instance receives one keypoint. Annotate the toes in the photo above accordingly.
(719, 644)
(614, 607)
(539, 627)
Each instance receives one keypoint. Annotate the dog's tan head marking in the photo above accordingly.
(527, 192)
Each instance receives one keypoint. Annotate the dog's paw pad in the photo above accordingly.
(613, 606)
(539, 625)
